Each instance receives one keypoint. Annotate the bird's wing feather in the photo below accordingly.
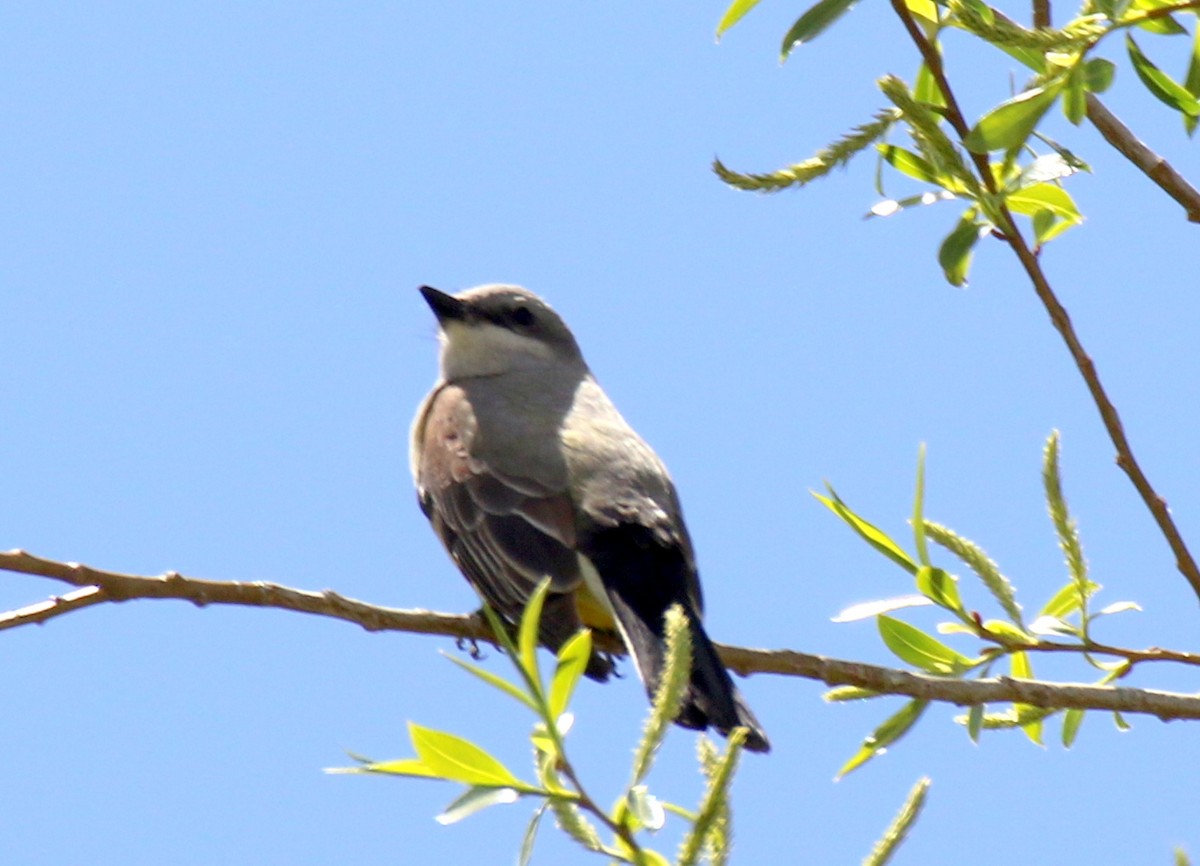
(505, 532)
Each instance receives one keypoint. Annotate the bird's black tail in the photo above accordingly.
(642, 578)
(712, 700)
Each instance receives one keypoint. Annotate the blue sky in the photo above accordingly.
(214, 220)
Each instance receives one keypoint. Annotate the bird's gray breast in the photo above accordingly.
(518, 422)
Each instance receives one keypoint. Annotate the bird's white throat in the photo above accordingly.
(484, 349)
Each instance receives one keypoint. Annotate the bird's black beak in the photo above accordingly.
(446, 307)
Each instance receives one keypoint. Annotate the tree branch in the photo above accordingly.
(1108, 412)
(835, 672)
(1151, 164)
(1121, 137)
(1041, 14)
(105, 586)
(102, 586)
(954, 115)
(1058, 313)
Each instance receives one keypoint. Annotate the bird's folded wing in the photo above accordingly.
(505, 531)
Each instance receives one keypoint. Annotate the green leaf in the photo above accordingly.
(653, 858)
(848, 693)
(1003, 628)
(1044, 196)
(1098, 74)
(925, 88)
(1046, 226)
(954, 628)
(527, 637)
(547, 744)
(868, 609)
(939, 587)
(1191, 81)
(1120, 722)
(572, 660)
(907, 162)
(1116, 671)
(974, 722)
(526, 853)
(954, 255)
(451, 757)
(476, 799)
(1162, 86)
(889, 732)
(495, 680)
(870, 533)
(1074, 103)
(917, 648)
(1044, 223)
(925, 9)
(406, 767)
(736, 12)
(1072, 719)
(1026, 56)
(1163, 25)
(918, 518)
(1010, 123)
(1022, 669)
(810, 25)
(502, 631)
(1066, 601)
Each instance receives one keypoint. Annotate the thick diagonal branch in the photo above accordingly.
(96, 587)
(1150, 163)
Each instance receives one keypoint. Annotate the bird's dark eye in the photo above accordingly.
(522, 316)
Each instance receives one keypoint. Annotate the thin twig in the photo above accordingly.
(1108, 412)
(953, 114)
(1041, 14)
(1121, 137)
(114, 587)
(1061, 321)
(1154, 654)
(835, 672)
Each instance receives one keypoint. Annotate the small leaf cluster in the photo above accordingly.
(1007, 639)
(617, 833)
(992, 166)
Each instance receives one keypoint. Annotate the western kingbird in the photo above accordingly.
(526, 470)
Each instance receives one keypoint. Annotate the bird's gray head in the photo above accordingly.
(497, 329)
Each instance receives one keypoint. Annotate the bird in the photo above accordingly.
(526, 471)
